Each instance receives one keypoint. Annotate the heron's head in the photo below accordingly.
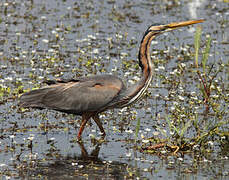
(171, 26)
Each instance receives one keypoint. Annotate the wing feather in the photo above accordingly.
(88, 94)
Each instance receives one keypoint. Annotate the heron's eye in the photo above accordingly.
(155, 30)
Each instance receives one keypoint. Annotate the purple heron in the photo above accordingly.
(89, 96)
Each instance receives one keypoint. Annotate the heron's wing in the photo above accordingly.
(84, 95)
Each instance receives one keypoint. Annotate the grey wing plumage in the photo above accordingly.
(90, 94)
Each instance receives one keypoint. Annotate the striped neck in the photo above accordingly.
(136, 91)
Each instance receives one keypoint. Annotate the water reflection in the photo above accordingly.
(84, 165)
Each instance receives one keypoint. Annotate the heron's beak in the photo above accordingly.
(175, 25)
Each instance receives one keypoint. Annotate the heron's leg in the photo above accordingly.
(97, 121)
(84, 152)
(85, 118)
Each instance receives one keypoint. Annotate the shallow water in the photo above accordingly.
(66, 39)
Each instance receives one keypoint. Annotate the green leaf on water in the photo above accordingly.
(206, 54)
(184, 129)
(197, 43)
(137, 127)
(172, 128)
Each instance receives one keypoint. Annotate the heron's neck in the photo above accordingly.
(146, 64)
(144, 57)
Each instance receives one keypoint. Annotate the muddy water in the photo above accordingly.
(65, 39)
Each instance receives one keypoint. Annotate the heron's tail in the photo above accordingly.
(33, 98)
